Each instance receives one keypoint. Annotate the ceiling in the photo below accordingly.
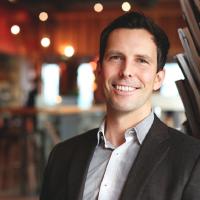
(63, 5)
(61, 14)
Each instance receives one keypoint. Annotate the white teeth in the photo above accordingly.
(124, 88)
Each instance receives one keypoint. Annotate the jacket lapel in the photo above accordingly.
(153, 150)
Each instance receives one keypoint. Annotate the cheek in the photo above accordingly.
(147, 77)
(109, 73)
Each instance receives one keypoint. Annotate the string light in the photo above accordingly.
(98, 7)
(43, 16)
(12, 1)
(69, 51)
(58, 99)
(45, 42)
(126, 6)
(15, 29)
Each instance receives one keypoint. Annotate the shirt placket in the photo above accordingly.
(116, 168)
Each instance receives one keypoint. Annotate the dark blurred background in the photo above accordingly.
(48, 92)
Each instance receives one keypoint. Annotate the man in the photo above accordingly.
(133, 155)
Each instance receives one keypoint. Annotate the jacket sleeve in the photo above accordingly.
(192, 189)
(44, 192)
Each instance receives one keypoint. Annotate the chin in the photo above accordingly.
(123, 108)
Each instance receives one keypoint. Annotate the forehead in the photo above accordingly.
(131, 37)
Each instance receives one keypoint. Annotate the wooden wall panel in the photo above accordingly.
(82, 30)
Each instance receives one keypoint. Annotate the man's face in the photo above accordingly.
(129, 70)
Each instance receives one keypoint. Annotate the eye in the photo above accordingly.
(115, 57)
(142, 60)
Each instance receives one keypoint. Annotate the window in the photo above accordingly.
(50, 78)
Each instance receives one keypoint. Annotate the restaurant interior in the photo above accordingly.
(48, 88)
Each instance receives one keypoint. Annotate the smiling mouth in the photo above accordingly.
(124, 88)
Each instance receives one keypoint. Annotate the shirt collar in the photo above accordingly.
(101, 137)
(141, 130)
(100, 133)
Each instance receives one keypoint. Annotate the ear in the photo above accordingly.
(98, 70)
(99, 81)
(160, 75)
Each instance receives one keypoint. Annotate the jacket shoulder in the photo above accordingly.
(179, 140)
(81, 140)
(184, 140)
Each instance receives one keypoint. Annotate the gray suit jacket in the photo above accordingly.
(167, 167)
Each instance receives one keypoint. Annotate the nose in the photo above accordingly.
(126, 71)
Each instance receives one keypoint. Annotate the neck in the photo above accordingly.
(117, 123)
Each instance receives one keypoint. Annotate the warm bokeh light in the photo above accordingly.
(126, 6)
(45, 42)
(98, 7)
(69, 51)
(94, 65)
(58, 99)
(15, 29)
(12, 1)
(43, 16)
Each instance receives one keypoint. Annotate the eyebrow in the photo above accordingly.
(143, 56)
(113, 52)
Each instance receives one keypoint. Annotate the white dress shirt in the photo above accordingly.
(110, 166)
